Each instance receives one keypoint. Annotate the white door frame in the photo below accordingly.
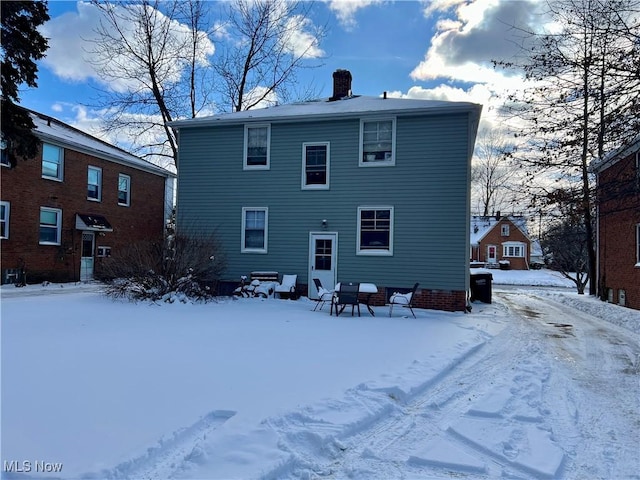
(86, 262)
(495, 258)
(328, 277)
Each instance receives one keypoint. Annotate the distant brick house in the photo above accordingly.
(499, 240)
(618, 225)
(78, 201)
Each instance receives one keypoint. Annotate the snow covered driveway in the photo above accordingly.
(539, 384)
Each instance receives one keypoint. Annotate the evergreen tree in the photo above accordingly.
(22, 46)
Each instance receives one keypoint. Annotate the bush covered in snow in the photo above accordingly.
(184, 267)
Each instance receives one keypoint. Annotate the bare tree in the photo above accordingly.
(492, 175)
(579, 101)
(156, 56)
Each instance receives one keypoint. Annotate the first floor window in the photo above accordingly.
(94, 183)
(4, 219)
(315, 164)
(50, 226)
(52, 161)
(513, 250)
(254, 229)
(103, 251)
(124, 189)
(375, 230)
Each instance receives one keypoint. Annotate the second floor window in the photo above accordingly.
(94, 183)
(52, 161)
(256, 147)
(124, 190)
(50, 226)
(377, 142)
(315, 164)
(504, 229)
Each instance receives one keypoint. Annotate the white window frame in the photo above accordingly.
(378, 163)
(514, 245)
(504, 230)
(371, 251)
(128, 178)
(98, 170)
(265, 248)
(319, 186)
(58, 226)
(245, 165)
(4, 158)
(103, 251)
(4, 219)
(60, 176)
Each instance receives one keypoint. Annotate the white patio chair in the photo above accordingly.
(287, 288)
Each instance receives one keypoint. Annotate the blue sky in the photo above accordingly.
(439, 49)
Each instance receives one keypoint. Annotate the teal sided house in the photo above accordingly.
(345, 189)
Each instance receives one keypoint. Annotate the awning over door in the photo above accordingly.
(94, 223)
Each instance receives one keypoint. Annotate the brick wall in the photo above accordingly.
(619, 213)
(26, 190)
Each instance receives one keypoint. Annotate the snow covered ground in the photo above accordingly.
(542, 383)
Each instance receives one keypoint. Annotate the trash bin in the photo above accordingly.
(481, 286)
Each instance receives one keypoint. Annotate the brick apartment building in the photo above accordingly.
(618, 201)
(78, 201)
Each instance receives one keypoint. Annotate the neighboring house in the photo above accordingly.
(501, 240)
(350, 189)
(618, 225)
(78, 201)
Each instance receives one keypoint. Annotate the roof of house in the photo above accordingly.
(615, 156)
(51, 129)
(349, 107)
(481, 225)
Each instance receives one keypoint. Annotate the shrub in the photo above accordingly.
(184, 267)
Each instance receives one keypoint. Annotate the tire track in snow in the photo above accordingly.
(401, 426)
(171, 455)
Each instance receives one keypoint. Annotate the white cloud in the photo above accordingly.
(345, 10)
(300, 42)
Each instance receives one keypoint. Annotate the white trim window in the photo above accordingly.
(5, 209)
(50, 226)
(513, 249)
(375, 231)
(124, 190)
(4, 153)
(103, 251)
(257, 141)
(377, 142)
(94, 183)
(52, 162)
(315, 166)
(255, 229)
(504, 229)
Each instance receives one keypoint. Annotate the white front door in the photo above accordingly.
(86, 257)
(323, 249)
(492, 254)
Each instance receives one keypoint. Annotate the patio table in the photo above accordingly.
(367, 288)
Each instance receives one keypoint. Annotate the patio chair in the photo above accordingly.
(346, 295)
(403, 299)
(324, 295)
(287, 288)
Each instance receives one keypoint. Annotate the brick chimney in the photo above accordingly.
(341, 84)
